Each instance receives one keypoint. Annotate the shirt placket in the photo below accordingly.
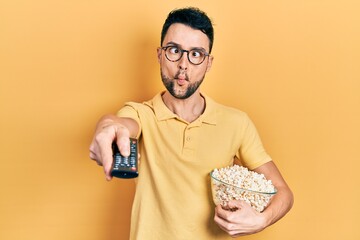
(190, 139)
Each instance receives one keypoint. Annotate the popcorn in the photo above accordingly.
(239, 183)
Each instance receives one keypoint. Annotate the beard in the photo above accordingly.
(170, 86)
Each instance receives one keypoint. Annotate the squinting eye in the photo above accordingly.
(173, 50)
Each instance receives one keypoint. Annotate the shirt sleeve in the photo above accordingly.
(252, 153)
(130, 110)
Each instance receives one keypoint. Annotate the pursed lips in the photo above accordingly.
(181, 79)
(181, 76)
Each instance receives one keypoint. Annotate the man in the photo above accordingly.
(183, 135)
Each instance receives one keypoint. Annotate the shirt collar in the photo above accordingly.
(163, 113)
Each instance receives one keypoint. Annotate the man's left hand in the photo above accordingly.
(239, 219)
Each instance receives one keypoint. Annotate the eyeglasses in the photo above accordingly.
(195, 56)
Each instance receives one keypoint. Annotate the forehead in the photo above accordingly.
(186, 37)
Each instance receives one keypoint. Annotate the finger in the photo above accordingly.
(222, 221)
(222, 224)
(219, 219)
(107, 164)
(105, 150)
(226, 223)
(236, 204)
(93, 155)
(123, 143)
(221, 213)
(241, 204)
(92, 151)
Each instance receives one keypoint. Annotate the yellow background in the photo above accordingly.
(293, 66)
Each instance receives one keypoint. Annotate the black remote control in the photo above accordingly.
(125, 167)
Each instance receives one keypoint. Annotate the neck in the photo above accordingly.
(188, 109)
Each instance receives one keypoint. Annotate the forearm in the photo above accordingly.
(282, 201)
(279, 206)
(123, 123)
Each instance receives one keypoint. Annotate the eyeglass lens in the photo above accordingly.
(174, 54)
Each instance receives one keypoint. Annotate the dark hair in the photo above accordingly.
(192, 17)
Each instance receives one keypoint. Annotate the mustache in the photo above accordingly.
(181, 72)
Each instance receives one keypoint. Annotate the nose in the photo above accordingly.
(184, 61)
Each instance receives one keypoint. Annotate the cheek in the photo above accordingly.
(201, 71)
(166, 70)
(167, 66)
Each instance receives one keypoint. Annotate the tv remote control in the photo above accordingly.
(125, 167)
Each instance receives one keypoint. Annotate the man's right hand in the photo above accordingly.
(109, 129)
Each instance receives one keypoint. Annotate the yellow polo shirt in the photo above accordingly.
(173, 195)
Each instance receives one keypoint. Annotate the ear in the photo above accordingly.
(159, 54)
(209, 63)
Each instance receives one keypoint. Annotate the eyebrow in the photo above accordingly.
(179, 46)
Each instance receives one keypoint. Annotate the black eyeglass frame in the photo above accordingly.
(182, 53)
